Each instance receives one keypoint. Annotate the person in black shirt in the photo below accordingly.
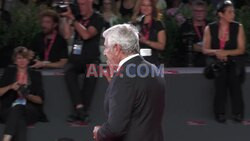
(85, 52)
(126, 8)
(152, 32)
(224, 42)
(50, 47)
(196, 25)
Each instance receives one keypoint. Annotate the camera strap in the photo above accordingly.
(49, 46)
(199, 32)
(85, 22)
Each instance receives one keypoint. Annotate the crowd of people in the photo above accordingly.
(70, 39)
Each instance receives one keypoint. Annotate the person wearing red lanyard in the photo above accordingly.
(196, 25)
(21, 96)
(50, 48)
(86, 27)
(224, 41)
(152, 34)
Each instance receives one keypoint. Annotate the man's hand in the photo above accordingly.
(15, 86)
(31, 54)
(221, 55)
(143, 39)
(96, 128)
(38, 64)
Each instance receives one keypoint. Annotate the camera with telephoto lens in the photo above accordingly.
(24, 90)
(61, 6)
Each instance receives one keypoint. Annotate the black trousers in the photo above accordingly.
(17, 119)
(81, 95)
(228, 83)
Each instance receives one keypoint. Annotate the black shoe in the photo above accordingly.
(237, 117)
(73, 118)
(82, 115)
(221, 118)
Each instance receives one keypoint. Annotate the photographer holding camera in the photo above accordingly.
(87, 27)
(49, 46)
(224, 41)
(192, 34)
(21, 97)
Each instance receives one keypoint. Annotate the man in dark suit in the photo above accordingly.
(134, 100)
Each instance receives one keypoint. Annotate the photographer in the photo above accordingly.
(224, 41)
(195, 25)
(85, 51)
(50, 47)
(21, 96)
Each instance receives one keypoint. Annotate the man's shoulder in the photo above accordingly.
(138, 67)
(97, 15)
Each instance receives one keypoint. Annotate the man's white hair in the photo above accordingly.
(125, 35)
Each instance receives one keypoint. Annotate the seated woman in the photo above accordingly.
(21, 97)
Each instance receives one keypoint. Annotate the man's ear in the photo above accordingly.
(117, 49)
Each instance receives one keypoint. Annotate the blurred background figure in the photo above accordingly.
(21, 97)
(174, 10)
(152, 32)
(86, 27)
(109, 13)
(50, 48)
(126, 8)
(192, 31)
(224, 41)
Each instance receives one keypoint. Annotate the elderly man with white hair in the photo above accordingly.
(134, 101)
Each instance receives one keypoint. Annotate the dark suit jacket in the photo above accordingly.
(36, 88)
(134, 104)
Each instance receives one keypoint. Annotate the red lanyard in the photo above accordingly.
(146, 30)
(22, 78)
(85, 22)
(197, 31)
(48, 48)
(223, 40)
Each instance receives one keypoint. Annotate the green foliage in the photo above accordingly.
(3, 31)
(23, 28)
(172, 30)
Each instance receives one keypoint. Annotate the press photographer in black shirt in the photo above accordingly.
(49, 46)
(87, 28)
(196, 25)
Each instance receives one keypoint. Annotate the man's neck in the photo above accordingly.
(50, 34)
(125, 58)
(199, 22)
(89, 14)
